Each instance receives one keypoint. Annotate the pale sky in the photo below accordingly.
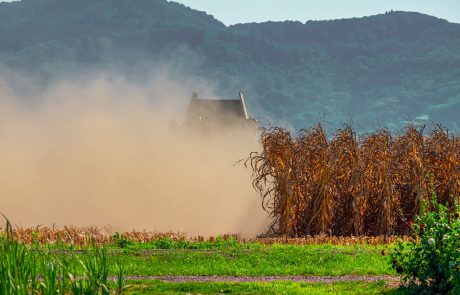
(240, 11)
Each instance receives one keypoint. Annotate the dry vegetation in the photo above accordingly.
(342, 190)
(353, 186)
(84, 237)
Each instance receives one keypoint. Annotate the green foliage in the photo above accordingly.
(121, 241)
(433, 259)
(258, 261)
(383, 69)
(220, 242)
(38, 270)
(55, 269)
(292, 288)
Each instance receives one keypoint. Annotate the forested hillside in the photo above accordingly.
(374, 71)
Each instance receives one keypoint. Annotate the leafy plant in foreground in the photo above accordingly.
(432, 260)
(38, 270)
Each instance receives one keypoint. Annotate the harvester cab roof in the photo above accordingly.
(223, 116)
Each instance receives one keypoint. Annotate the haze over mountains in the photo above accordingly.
(375, 71)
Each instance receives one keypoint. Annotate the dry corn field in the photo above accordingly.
(88, 236)
(369, 185)
(84, 237)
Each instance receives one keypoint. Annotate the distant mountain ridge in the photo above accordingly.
(375, 71)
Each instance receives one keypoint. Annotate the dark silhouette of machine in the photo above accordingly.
(226, 116)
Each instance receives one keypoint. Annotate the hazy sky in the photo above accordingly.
(238, 11)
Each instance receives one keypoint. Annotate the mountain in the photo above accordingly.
(375, 71)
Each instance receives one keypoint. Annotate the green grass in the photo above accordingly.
(230, 257)
(157, 287)
(256, 260)
(89, 268)
(26, 271)
(241, 259)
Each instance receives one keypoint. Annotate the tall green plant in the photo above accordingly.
(432, 260)
(37, 270)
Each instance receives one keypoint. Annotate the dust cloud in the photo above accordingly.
(101, 153)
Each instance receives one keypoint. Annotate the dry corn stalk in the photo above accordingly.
(373, 185)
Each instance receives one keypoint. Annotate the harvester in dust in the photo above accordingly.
(227, 117)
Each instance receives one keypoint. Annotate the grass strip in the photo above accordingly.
(321, 260)
(157, 287)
